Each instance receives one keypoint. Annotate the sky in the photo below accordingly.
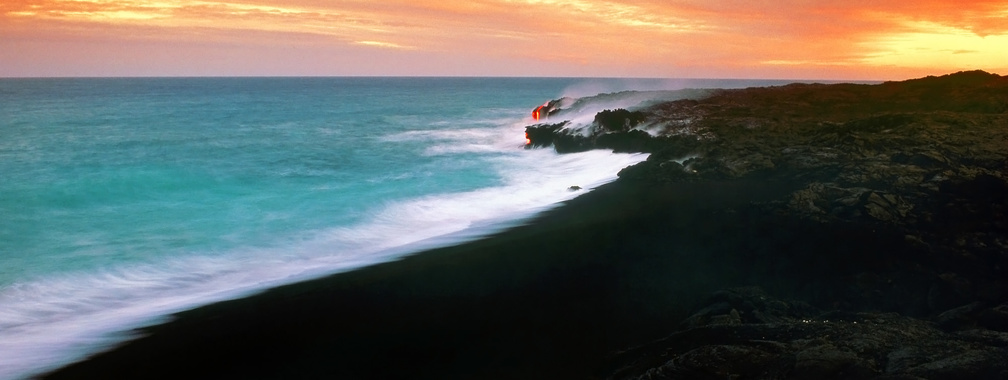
(767, 39)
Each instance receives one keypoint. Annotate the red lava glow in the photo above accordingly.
(527, 139)
(538, 112)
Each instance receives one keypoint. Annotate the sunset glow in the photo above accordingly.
(651, 38)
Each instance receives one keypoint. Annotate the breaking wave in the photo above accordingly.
(52, 321)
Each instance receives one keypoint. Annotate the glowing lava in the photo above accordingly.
(538, 112)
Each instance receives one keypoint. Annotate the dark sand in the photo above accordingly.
(616, 267)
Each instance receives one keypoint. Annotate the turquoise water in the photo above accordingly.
(124, 200)
(101, 172)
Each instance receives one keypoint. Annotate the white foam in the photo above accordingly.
(580, 113)
(466, 136)
(51, 322)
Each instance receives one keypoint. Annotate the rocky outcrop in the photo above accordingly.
(744, 333)
(618, 120)
(917, 154)
(924, 159)
(611, 129)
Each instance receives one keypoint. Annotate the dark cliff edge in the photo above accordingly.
(921, 164)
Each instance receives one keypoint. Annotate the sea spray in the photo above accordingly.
(61, 319)
(131, 199)
(125, 200)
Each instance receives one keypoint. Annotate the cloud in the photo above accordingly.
(928, 44)
(381, 44)
(596, 37)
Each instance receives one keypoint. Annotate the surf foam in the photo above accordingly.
(50, 322)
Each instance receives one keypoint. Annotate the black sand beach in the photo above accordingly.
(844, 232)
(553, 299)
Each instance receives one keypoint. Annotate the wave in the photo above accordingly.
(50, 322)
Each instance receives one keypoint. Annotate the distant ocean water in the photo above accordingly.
(124, 200)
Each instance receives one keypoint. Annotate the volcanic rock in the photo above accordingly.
(777, 339)
(923, 161)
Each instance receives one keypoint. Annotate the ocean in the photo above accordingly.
(124, 200)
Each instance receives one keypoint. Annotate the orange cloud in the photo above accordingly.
(791, 38)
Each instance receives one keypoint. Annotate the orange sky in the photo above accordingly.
(789, 39)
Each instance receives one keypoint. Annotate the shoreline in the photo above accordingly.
(818, 231)
(555, 297)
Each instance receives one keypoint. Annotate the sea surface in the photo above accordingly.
(123, 200)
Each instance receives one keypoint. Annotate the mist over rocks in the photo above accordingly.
(620, 121)
(922, 164)
(796, 232)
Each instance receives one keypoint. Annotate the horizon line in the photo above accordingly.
(280, 76)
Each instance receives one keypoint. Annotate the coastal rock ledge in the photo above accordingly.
(746, 334)
(922, 162)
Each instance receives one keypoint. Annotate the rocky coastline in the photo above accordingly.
(808, 231)
(923, 162)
